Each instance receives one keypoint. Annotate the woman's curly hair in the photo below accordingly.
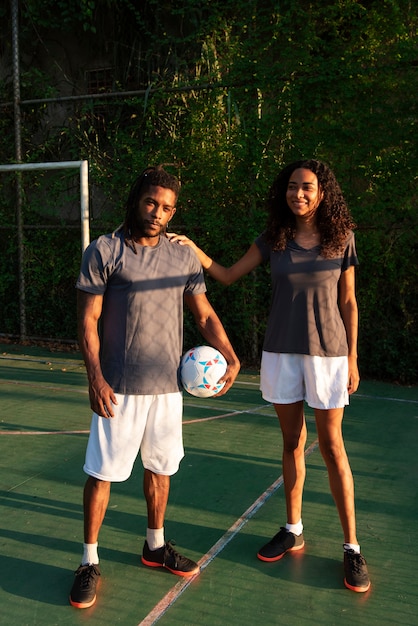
(333, 217)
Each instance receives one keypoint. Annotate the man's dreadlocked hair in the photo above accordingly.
(333, 217)
(154, 176)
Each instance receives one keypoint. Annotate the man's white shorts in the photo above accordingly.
(152, 424)
(320, 381)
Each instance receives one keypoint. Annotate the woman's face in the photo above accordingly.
(303, 195)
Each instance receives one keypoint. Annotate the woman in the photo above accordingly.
(310, 347)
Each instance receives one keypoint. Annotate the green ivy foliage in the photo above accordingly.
(60, 14)
(229, 93)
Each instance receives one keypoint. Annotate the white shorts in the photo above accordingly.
(152, 424)
(319, 380)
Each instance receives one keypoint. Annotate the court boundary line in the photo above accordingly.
(172, 596)
(230, 414)
(356, 395)
(85, 391)
(18, 383)
(44, 432)
(388, 399)
(254, 410)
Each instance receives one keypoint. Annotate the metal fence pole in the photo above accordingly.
(18, 155)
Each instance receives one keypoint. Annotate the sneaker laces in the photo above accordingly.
(87, 572)
(357, 560)
(171, 552)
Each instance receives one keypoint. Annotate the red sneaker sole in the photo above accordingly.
(83, 605)
(277, 558)
(357, 589)
(173, 571)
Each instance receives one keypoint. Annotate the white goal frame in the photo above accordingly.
(83, 166)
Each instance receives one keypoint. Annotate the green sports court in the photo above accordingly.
(225, 502)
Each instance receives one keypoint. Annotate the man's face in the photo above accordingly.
(156, 207)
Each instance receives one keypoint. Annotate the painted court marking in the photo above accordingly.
(44, 432)
(170, 598)
(254, 410)
(22, 383)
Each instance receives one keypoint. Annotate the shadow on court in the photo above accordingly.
(220, 510)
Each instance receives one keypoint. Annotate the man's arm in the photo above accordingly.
(89, 309)
(213, 331)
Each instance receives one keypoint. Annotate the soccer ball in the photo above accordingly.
(200, 369)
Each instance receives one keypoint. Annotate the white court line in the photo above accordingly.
(231, 414)
(170, 598)
(86, 432)
(44, 387)
(42, 361)
(253, 410)
(238, 382)
(44, 432)
(384, 398)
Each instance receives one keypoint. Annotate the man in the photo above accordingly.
(134, 281)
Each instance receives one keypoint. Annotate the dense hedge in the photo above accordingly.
(236, 90)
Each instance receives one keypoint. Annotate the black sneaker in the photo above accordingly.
(284, 541)
(355, 570)
(170, 559)
(83, 592)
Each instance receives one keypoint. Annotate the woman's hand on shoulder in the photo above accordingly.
(181, 239)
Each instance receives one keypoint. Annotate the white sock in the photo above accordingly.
(90, 555)
(352, 546)
(155, 538)
(296, 529)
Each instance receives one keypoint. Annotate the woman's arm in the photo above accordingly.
(226, 275)
(349, 314)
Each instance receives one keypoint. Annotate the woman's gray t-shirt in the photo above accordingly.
(141, 327)
(304, 316)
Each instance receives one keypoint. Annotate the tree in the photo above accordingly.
(229, 92)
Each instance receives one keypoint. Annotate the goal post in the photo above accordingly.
(84, 216)
(83, 167)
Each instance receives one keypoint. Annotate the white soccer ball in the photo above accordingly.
(200, 369)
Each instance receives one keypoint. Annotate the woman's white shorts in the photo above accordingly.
(320, 381)
(150, 424)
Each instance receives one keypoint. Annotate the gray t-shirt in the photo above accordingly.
(141, 326)
(304, 316)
